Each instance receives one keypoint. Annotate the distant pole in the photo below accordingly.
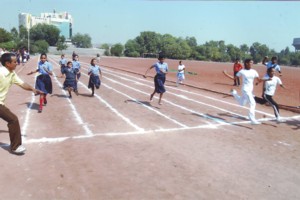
(28, 40)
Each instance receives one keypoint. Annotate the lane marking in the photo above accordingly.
(73, 108)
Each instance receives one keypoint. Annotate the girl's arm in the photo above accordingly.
(49, 72)
(32, 72)
(147, 71)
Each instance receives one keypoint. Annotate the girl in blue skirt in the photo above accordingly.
(71, 78)
(43, 80)
(161, 69)
(94, 72)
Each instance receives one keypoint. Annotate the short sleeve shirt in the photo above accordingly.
(76, 65)
(248, 79)
(95, 70)
(42, 66)
(270, 85)
(7, 78)
(70, 73)
(181, 67)
(160, 66)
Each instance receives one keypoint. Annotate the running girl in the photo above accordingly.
(43, 80)
(94, 72)
(161, 69)
(76, 66)
(71, 78)
(62, 64)
(270, 87)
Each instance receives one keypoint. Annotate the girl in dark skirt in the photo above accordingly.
(161, 69)
(43, 80)
(71, 78)
(94, 72)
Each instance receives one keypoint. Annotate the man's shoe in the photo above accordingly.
(232, 92)
(255, 122)
(20, 150)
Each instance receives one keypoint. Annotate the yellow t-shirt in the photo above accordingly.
(7, 78)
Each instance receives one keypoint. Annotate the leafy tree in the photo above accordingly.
(61, 45)
(23, 33)
(49, 33)
(117, 50)
(191, 41)
(5, 36)
(148, 41)
(132, 49)
(40, 46)
(14, 33)
(82, 41)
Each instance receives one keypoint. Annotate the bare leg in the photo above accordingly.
(160, 97)
(151, 96)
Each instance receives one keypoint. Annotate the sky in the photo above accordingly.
(274, 23)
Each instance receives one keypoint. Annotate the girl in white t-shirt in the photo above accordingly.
(248, 75)
(180, 73)
(270, 87)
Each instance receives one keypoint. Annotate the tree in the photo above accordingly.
(23, 33)
(117, 50)
(40, 46)
(5, 36)
(14, 33)
(49, 33)
(148, 42)
(82, 41)
(60, 45)
(132, 49)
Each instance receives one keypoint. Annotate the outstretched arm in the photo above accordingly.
(32, 72)
(228, 75)
(147, 71)
(28, 87)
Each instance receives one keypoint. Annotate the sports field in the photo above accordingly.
(118, 145)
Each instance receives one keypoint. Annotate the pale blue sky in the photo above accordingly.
(274, 23)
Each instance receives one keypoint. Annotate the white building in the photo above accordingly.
(63, 21)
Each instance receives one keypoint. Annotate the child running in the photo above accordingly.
(71, 78)
(63, 64)
(248, 75)
(270, 87)
(43, 80)
(180, 74)
(237, 66)
(161, 69)
(94, 72)
(76, 66)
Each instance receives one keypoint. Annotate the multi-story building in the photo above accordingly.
(63, 21)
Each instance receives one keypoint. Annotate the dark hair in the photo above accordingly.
(247, 60)
(69, 62)
(6, 57)
(274, 58)
(270, 69)
(92, 61)
(43, 54)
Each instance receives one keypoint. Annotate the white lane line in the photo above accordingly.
(113, 109)
(197, 94)
(176, 105)
(146, 106)
(167, 131)
(127, 120)
(73, 108)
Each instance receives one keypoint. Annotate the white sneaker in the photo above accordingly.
(232, 92)
(20, 150)
(255, 122)
(279, 119)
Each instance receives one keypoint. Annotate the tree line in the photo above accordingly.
(152, 43)
(40, 37)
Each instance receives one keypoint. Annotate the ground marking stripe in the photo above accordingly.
(168, 131)
(73, 108)
(127, 120)
(198, 94)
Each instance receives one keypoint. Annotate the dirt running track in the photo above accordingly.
(117, 145)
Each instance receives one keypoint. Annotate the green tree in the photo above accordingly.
(5, 36)
(40, 46)
(61, 45)
(49, 33)
(132, 49)
(14, 33)
(82, 40)
(23, 33)
(148, 42)
(117, 50)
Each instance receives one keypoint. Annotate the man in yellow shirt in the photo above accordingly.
(7, 78)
